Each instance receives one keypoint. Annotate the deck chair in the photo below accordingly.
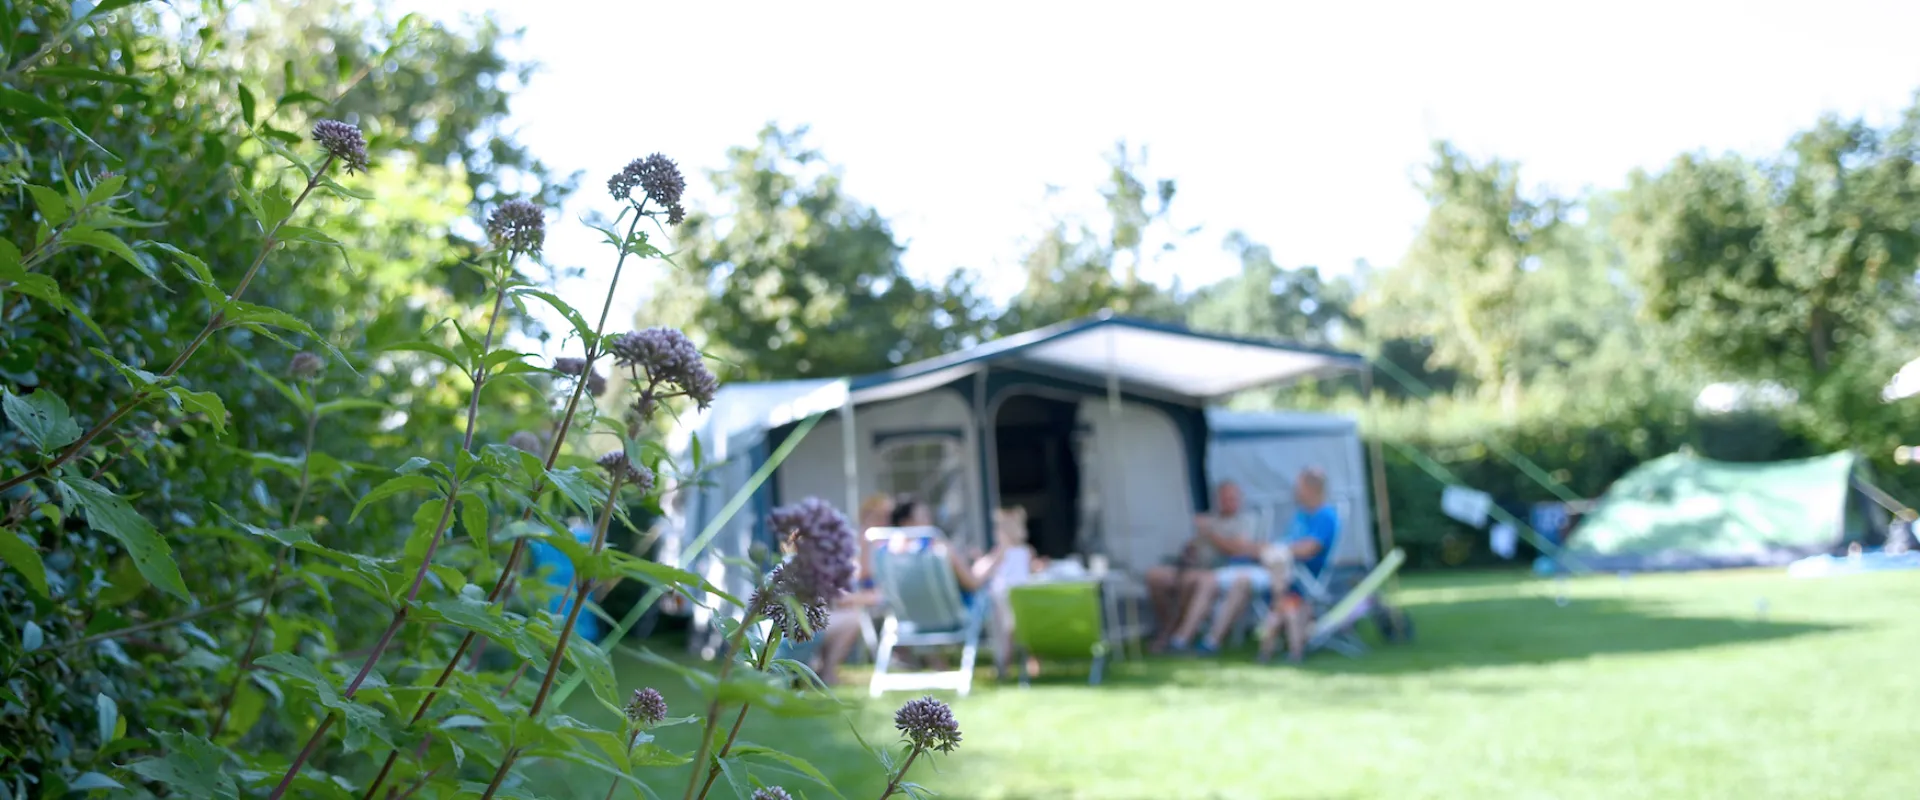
(1336, 619)
(1058, 621)
(923, 609)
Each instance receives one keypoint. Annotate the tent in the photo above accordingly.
(1101, 428)
(1681, 512)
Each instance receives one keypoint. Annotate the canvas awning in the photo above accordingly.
(1155, 357)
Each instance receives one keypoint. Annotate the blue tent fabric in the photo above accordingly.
(557, 569)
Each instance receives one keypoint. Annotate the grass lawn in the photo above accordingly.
(1674, 686)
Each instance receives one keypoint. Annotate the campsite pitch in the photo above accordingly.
(1743, 685)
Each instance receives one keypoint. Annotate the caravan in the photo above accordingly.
(1101, 429)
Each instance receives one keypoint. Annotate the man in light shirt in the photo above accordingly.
(1172, 587)
(1254, 568)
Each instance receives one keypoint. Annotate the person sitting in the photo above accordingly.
(1172, 587)
(1229, 533)
(843, 625)
(1316, 526)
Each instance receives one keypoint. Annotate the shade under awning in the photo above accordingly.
(1167, 359)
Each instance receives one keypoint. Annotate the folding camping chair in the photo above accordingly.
(923, 609)
(1058, 620)
(1334, 621)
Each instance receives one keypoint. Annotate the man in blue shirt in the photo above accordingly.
(1316, 526)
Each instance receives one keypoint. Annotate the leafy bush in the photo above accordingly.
(241, 341)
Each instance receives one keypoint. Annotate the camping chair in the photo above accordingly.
(1335, 621)
(923, 609)
(1058, 621)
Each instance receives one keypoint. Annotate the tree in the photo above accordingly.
(1459, 285)
(1266, 300)
(1074, 271)
(1774, 268)
(792, 278)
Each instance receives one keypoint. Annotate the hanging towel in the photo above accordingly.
(1466, 505)
(1502, 539)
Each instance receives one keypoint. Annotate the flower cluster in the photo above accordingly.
(527, 442)
(928, 724)
(770, 604)
(305, 366)
(342, 141)
(518, 226)
(771, 793)
(824, 550)
(577, 367)
(664, 357)
(659, 181)
(647, 708)
(618, 465)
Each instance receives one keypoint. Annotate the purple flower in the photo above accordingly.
(928, 724)
(664, 356)
(342, 141)
(527, 442)
(824, 550)
(617, 464)
(518, 226)
(770, 603)
(656, 175)
(305, 366)
(771, 793)
(596, 383)
(647, 707)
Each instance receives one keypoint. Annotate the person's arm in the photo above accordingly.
(1320, 532)
(973, 576)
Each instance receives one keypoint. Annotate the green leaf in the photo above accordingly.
(246, 105)
(336, 188)
(296, 233)
(43, 417)
(361, 720)
(473, 517)
(93, 780)
(106, 6)
(85, 74)
(206, 403)
(427, 530)
(109, 514)
(52, 206)
(435, 350)
(573, 317)
(139, 378)
(33, 107)
(192, 767)
(25, 559)
(106, 716)
(282, 151)
(403, 483)
(654, 572)
(31, 637)
(277, 205)
(301, 96)
(195, 269)
(256, 317)
(102, 240)
(348, 404)
(105, 189)
(574, 485)
(796, 763)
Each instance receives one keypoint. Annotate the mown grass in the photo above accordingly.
(1741, 685)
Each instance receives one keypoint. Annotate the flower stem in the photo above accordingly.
(631, 738)
(894, 784)
(566, 630)
(766, 655)
(141, 395)
(713, 706)
(433, 544)
(505, 582)
(279, 563)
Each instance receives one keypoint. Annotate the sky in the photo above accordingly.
(1302, 124)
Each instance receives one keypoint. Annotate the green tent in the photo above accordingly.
(1683, 512)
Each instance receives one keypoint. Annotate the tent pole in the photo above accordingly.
(1382, 513)
(985, 448)
(850, 460)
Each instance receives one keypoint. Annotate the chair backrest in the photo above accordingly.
(913, 575)
(1059, 619)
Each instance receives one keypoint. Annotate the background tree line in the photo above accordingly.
(1575, 329)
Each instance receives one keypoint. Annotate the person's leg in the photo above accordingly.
(1299, 621)
(1240, 589)
(1196, 611)
(1163, 593)
(837, 641)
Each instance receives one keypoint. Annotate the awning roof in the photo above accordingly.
(1151, 357)
(1145, 355)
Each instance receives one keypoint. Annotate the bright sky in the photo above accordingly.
(1300, 123)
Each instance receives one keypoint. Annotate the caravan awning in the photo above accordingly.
(1144, 355)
